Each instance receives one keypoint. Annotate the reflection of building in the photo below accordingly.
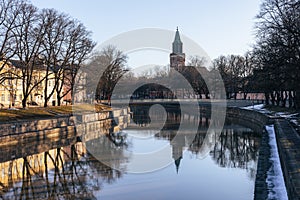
(15, 170)
(178, 143)
(35, 170)
(177, 58)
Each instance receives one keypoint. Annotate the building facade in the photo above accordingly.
(11, 86)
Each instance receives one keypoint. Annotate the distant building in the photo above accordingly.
(11, 89)
(77, 93)
(177, 57)
(10, 86)
(37, 94)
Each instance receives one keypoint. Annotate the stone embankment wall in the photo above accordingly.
(249, 118)
(256, 121)
(288, 144)
(26, 137)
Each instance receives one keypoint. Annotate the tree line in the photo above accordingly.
(278, 52)
(61, 44)
(272, 66)
(41, 39)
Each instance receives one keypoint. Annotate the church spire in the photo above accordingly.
(177, 57)
(177, 163)
(177, 44)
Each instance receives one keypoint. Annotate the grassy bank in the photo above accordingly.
(41, 112)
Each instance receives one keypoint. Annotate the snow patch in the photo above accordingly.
(286, 115)
(275, 180)
(258, 108)
(254, 107)
(294, 121)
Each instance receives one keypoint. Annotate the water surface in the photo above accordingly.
(69, 171)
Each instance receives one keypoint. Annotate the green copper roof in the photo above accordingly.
(177, 37)
(177, 44)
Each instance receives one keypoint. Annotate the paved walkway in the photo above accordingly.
(288, 141)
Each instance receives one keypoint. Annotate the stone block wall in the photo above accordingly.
(25, 137)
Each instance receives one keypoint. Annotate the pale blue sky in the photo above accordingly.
(218, 26)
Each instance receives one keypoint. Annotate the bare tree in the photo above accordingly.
(111, 66)
(278, 49)
(9, 15)
(236, 72)
(45, 45)
(29, 36)
(246, 74)
(196, 61)
(77, 48)
(56, 26)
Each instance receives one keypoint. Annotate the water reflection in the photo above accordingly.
(235, 147)
(63, 173)
(69, 171)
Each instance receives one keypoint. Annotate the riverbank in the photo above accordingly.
(34, 112)
(62, 125)
(59, 128)
(278, 174)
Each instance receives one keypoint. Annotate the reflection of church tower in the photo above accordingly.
(178, 143)
(177, 58)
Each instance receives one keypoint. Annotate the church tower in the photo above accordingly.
(177, 58)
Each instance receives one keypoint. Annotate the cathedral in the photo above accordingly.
(177, 57)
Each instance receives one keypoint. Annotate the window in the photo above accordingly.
(2, 97)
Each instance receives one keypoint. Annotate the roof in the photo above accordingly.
(177, 37)
(39, 65)
(177, 44)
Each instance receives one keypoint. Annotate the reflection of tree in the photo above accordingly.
(141, 115)
(235, 149)
(62, 173)
(105, 150)
(197, 142)
(107, 173)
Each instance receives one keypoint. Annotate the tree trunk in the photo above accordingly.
(45, 102)
(283, 98)
(228, 95)
(278, 98)
(272, 98)
(290, 99)
(200, 95)
(297, 99)
(24, 103)
(58, 100)
(207, 96)
(235, 95)
(267, 98)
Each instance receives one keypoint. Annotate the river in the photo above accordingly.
(102, 168)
